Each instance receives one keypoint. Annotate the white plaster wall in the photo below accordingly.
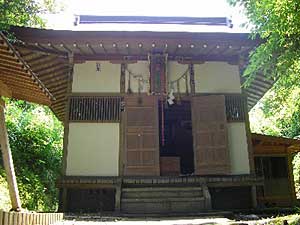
(238, 148)
(140, 70)
(87, 79)
(175, 70)
(217, 77)
(93, 149)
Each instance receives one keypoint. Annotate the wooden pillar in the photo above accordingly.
(8, 162)
(63, 199)
(291, 177)
(63, 203)
(122, 78)
(241, 65)
(67, 110)
(249, 137)
(207, 197)
(254, 196)
(118, 195)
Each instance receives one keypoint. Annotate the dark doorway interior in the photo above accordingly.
(177, 139)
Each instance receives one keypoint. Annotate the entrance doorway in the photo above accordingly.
(176, 139)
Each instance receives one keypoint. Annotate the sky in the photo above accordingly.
(186, 8)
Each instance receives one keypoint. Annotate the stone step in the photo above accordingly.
(162, 207)
(161, 192)
(158, 189)
(157, 199)
(167, 199)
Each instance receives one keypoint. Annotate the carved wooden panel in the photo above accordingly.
(141, 136)
(210, 135)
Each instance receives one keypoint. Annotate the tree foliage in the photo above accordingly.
(277, 23)
(26, 12)
(35, 137)
(35, 134)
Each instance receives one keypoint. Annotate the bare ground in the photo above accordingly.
(291, 219)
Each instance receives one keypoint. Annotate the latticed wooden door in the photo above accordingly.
(141, 136)
(210, 135)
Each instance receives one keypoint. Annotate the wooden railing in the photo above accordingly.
(29, 218)
(95, 109)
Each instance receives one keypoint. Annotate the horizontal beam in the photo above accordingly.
(212, 21)
(111, 57)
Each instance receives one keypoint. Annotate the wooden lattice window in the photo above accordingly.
(95, 108)
(235, 108)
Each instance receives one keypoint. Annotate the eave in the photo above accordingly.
(47, 53)
(270, 144)
(17, 80)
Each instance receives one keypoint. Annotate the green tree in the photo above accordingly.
(277, 24)
(26, 12)
(37, 158)
(35, 137)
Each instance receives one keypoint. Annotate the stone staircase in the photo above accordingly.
(165, 199)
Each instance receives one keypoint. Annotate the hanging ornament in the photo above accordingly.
(171, 98)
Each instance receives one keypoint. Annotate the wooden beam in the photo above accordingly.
(269, 149)
(27, 69)
(8, 162)
(49, 68)
(122, 78)
(259, 88)
(5, 90)
(91, 48)
(291, 178)
(13, 70)
(53, 73)
(38, 59)
(55, 79)
(144, 57)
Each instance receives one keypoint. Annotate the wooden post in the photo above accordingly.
(118, 195)
(207, 196)
(291, 177)
(67, 110)
(66, 130)
(8, 162)
(122, 78)
(253, 196)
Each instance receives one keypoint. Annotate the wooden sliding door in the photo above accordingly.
(141, 136)
(210, 135)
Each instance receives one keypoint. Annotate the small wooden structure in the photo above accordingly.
(273, 161)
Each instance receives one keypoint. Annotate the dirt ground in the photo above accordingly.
(291, 219)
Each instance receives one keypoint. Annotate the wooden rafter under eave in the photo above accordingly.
(20, 70)
(19, 82)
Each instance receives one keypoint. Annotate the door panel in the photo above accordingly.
(141, 136)
(210, 135)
